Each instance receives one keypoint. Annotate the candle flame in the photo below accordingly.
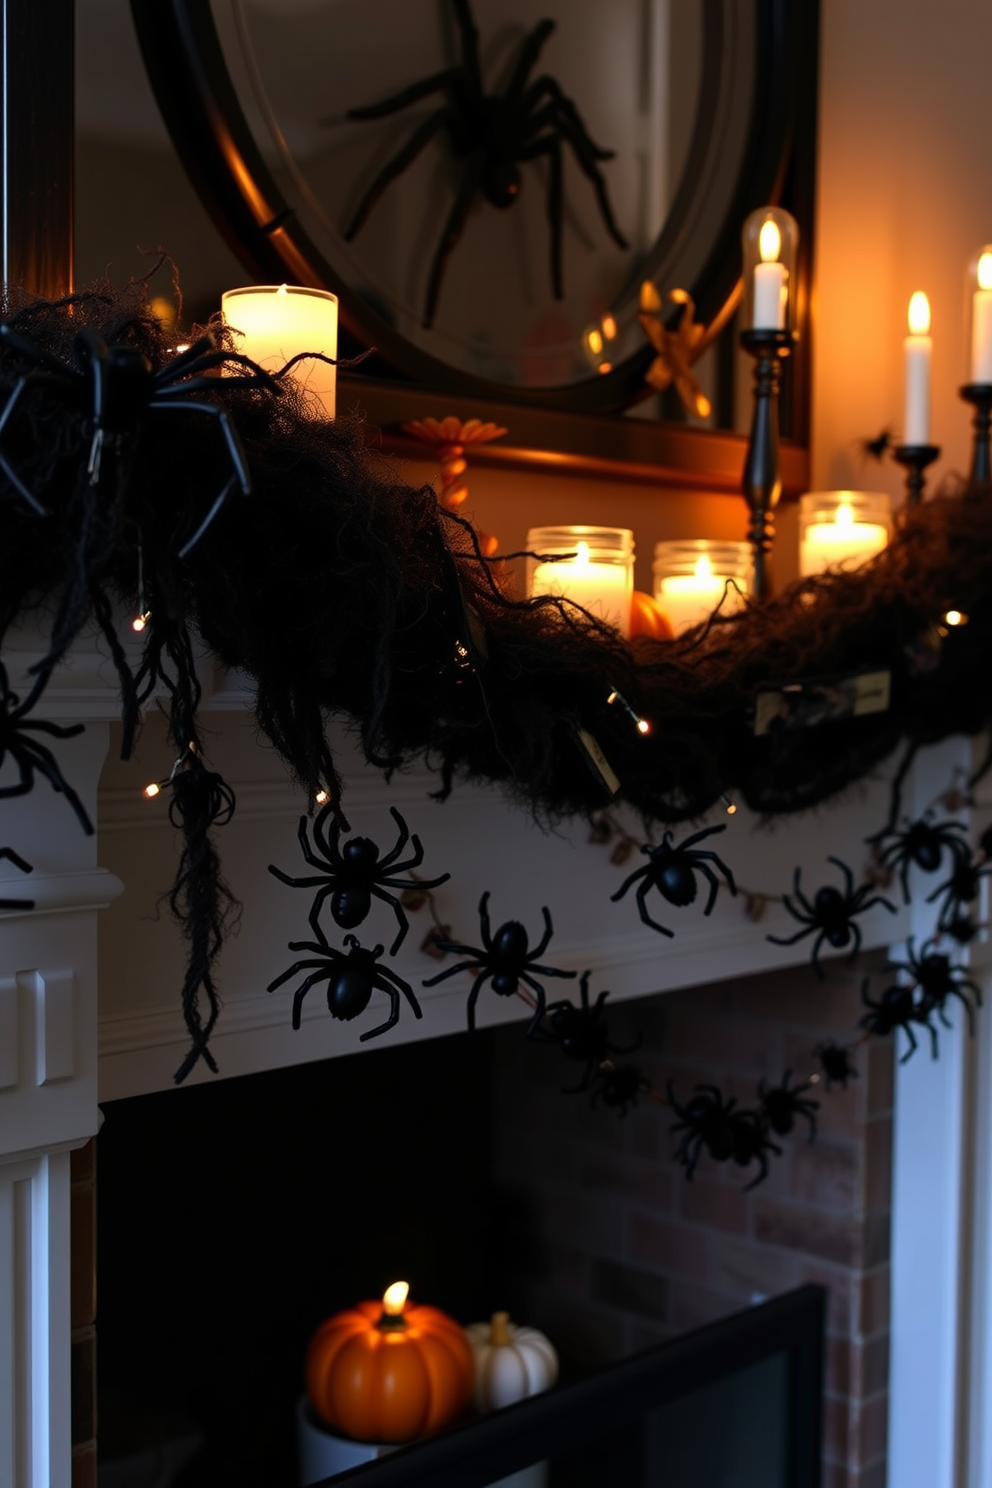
(283, 289)
(985, 270)
(594, 341)
(609, 327)
(582, 552)
(769, 241)
(845, 515)
(394, 1298)
(919, 314)
(704, 568)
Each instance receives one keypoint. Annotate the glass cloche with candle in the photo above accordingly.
(841, 529)
(693, 577)
(978, 310)
(771, 244)
(591, 566)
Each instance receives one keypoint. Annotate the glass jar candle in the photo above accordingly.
(841, 529)
(275, 322)
(592, 566)
(691, 579)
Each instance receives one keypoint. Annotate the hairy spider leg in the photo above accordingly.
(533, 45)
(554, 202)
(451, 236)
(562, 115)
(398, 163)
(401, 100)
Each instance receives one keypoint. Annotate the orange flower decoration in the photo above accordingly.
(677, 350)
(450, 436)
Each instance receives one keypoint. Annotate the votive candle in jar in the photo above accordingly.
(275, 322)
(591, 566)
(693, 577)
(841, 529)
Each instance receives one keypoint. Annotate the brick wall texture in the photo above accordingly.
(613, 1251)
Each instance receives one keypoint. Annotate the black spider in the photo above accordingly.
(898, 1007)
(717, 1126)
(961, 889)
(618, 1086)
(835, 1062)
(936, 978)
(491, 134)
(922, 842)
(117, 387)
(25, 867)
(580, 1032)
(504, 958)
(672, 871)
(783, 1103)
(350, 979)
(353, 874)
(961, 928)
(30, 754)
(831, 914)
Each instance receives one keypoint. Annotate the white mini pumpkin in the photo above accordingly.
(510, 1362)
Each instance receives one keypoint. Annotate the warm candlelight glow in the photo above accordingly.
(609, 327)
(275, 323)
(595, 342)
(394, 1298)
(955, 617)
(769, 241)
(704, 568)
(594, 570)
(984, 271)
(845, 515)
(835, 532)
(919, 314)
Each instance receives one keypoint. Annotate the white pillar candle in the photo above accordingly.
(276, 322)
(981, 322)
(690, 599)
(770, 282)
(919, 351)
(842, 543)
(603, 589)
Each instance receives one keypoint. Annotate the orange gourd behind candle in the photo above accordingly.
(389, 1371)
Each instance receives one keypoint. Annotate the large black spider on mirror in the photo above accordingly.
(730, 128)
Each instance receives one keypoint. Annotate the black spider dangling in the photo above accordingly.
(960, 890)
(28, 753)
(781, 1105)
(672, 871)
(352, 875)
(923, 843)
(351, 979)
(935, 979)
(618, 1086)
(580, 1032)
(25, 867)
(835, 1062)
(720, 1128)
(504, 959)
(831, 915)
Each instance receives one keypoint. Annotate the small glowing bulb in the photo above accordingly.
(769, 241)
(955, 617)
(643, 727)
(605, 367)
(704, 568)
(919, 314)
(985, 271)
(581, 553)
(140, 621)
(394, 1298)
(610, 326)
(595, 342)
(322, 798)
(845, 515)
(152, 790)
(731, 809)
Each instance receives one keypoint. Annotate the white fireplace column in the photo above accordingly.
(48, 1070)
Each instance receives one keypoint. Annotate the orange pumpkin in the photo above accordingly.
(647, 618)
(389, 1371)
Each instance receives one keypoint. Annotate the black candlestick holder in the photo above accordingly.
(762, 482)
(979, 395)
(915, 458)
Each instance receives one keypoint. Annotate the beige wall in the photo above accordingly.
(904, 196)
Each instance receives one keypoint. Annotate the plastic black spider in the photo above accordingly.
(936, 978)
(30, 754)
(922, 842)
(580, 1032)
(672, 871)
(491, 134)
(835, 1062)
(898, 1007)
(117, 387)
(712, 1124)
(783, 1103)
(618, 1086)
(961, 928)
(25, 867)
(503, 958)
(961, 889)
(353, 874)
(351, 979)
(831, 914)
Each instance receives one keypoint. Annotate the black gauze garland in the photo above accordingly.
(338, 587)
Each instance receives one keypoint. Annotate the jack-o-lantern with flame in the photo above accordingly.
(389, 1371)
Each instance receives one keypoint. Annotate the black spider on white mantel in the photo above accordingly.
(672, 871)
(351, 979)
(352, 875)
(831, 915)
(491, 135)
(504, 958)
(923, 843)
(28, 753)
